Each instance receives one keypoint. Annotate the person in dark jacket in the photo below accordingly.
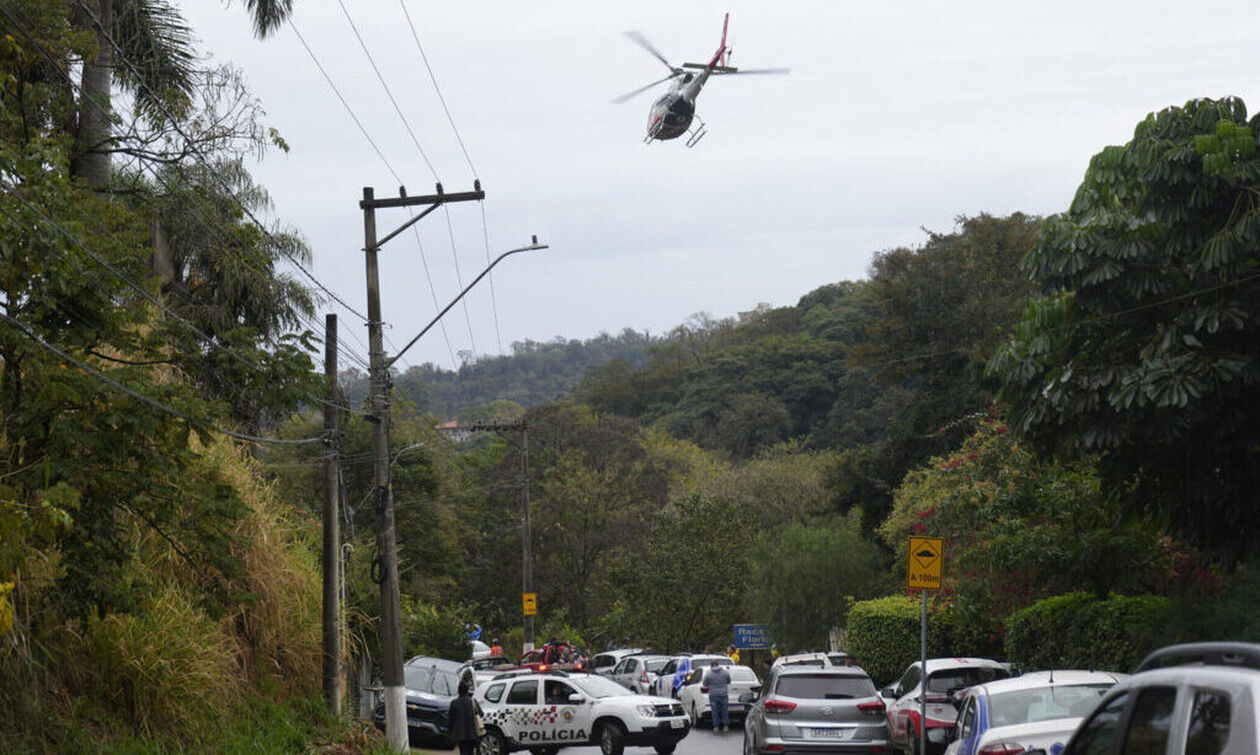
(463, 713)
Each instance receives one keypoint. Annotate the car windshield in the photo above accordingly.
(825, 686)
(598, 686)
(1044, 703)
(954, 679)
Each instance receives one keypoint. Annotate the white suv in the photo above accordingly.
(543, 712)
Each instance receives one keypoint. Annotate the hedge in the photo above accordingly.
(1080, 631)
(883, 635)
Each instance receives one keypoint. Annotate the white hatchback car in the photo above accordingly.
(695, 702)
(544, 711)
(945, 676)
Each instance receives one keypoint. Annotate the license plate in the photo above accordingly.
(677, 723)
(829, 733)
(735, 707)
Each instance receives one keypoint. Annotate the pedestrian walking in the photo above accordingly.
(716, 684)
(465, 720)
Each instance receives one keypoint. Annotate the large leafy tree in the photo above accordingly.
(1144, 348)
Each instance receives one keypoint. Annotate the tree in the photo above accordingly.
(803, 578)
(1145, 344)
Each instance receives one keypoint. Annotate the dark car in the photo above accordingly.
(432, 683)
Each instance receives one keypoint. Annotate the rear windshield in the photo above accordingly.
(825, 686)
(742, 674)
(955, 679)
(1044, 704)
(655, 663)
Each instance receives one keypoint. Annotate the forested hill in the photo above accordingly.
(535, 373)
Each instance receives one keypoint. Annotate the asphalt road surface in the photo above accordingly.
(700, 741)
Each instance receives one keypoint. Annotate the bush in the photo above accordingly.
(884, 635)
(1080, 631)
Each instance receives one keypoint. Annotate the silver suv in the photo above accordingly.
(1196, 699)
(804, 709)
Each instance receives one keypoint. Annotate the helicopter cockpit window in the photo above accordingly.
(687, 78)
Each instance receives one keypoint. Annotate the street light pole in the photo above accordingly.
(391, 620)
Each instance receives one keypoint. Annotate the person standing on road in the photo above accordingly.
(463, 715)
(716, 683)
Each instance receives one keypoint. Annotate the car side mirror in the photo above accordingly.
(889, 692)
(576, 699)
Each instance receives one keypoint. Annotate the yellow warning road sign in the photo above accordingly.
(926, 555)
(529, 603)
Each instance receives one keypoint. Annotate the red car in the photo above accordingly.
(553, 655)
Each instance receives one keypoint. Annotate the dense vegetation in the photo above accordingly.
(1070, 402)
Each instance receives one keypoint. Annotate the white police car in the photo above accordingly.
(544, 711)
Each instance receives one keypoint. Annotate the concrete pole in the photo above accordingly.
(391, 622)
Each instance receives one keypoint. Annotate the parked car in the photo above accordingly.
(543, 711)
(804, 709)
(678, 667)
(945, 676)
(638, 672)
(803, 659)
(1195, 699)
(838, 658)
(604, 663)
(431, 684)
(1039, 709)
(695, 701)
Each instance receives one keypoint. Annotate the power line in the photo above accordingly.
(363, 130)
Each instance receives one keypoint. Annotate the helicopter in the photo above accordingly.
(673, 113)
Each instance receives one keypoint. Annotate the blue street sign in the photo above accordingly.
(752, 636)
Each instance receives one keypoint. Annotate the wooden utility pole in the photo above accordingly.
(332, 525)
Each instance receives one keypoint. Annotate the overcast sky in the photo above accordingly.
(897, 116)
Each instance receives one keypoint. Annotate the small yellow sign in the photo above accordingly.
(529, 603)
(926, 556)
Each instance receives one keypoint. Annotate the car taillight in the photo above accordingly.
(875, 708)
(542, 668)
(779, 706)
(1000, 748)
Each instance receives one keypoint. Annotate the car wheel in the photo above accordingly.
(666, 749)
(492, 743)
(612, 738)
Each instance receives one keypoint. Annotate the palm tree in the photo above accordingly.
(145, 47)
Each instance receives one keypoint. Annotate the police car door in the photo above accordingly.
(572, 721)
(520, 708)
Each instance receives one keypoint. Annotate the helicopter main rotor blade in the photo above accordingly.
(736, 72)
(642, 41)
(642, 89)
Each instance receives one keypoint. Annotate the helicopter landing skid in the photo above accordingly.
(696, 133)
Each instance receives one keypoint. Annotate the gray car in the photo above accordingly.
(1195, 699)
(808, 709)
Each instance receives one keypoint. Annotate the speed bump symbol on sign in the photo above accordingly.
(529, 604)
(926, 556)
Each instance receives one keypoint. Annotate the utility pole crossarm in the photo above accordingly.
(433, 200)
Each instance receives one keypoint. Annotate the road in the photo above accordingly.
(701, 741)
